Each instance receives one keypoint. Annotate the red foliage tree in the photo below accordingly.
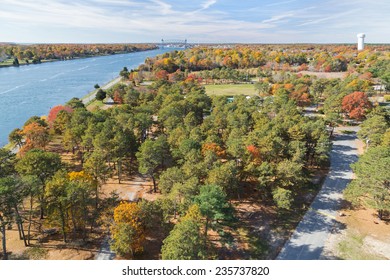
(54, 112)
(118, 97)
(356, 105)
(161, 75)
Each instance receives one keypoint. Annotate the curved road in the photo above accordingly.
(307, 241)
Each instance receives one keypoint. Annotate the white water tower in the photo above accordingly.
(361, 37)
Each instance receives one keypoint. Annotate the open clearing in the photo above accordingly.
(325, 75)
(230, 89)
(364, 237)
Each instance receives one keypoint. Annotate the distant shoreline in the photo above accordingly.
(23, 63)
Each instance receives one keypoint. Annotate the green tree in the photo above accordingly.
(283, 198)
(10, 199)
(125, 234)
(263, 88)
(62, 121)
(372, 184)
(57, 200)
(32, 190)
(225, 176)
(16, 137)
(7, 163)
(150, 156)
(212, 204)
(128, 229)
(41, 164)
(185, 242)
(170, 177)
(332, 109)
(100, 94)
(75, 103)
(373, 129)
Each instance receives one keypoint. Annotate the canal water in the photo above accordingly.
(31, 90)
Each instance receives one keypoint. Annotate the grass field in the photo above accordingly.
(230, 90)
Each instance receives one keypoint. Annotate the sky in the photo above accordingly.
(203, 21)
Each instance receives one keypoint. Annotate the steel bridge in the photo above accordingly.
(174, 43)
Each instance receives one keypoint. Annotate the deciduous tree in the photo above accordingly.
(356, 105)
(127, 231)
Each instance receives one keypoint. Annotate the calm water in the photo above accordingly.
(32, 90)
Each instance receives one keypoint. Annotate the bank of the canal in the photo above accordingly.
(34, 89)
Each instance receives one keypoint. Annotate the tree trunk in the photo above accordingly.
(331, 132)
(73, 222)
(5, 257)
(154, 184)
(85, 223)
(63, 224)
(19, 222)
(206, 228)
(42, 199)
(119, 171)
(30, 221)
(19, 230)
(41, 208)
(380, 214)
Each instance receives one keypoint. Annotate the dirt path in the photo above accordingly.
(129, 190)
(105, 252)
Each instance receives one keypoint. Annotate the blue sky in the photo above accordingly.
(223, 21)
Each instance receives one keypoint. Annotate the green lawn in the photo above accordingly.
(230, 90)
(7, 62)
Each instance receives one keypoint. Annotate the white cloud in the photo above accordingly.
(165, 8)
(208, 4)
(278, 18)
(321, 19)
(280, 3)
(154, 19)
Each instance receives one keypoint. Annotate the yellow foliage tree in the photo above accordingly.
(128, 230)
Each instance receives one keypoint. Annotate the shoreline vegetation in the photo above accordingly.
(11, 147)
(15, 55)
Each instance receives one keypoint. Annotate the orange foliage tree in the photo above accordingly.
(254, 153)
(36, 136)
(356, 105)
(213, 147)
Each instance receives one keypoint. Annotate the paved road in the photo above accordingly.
(307, 242)
(106, 86)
